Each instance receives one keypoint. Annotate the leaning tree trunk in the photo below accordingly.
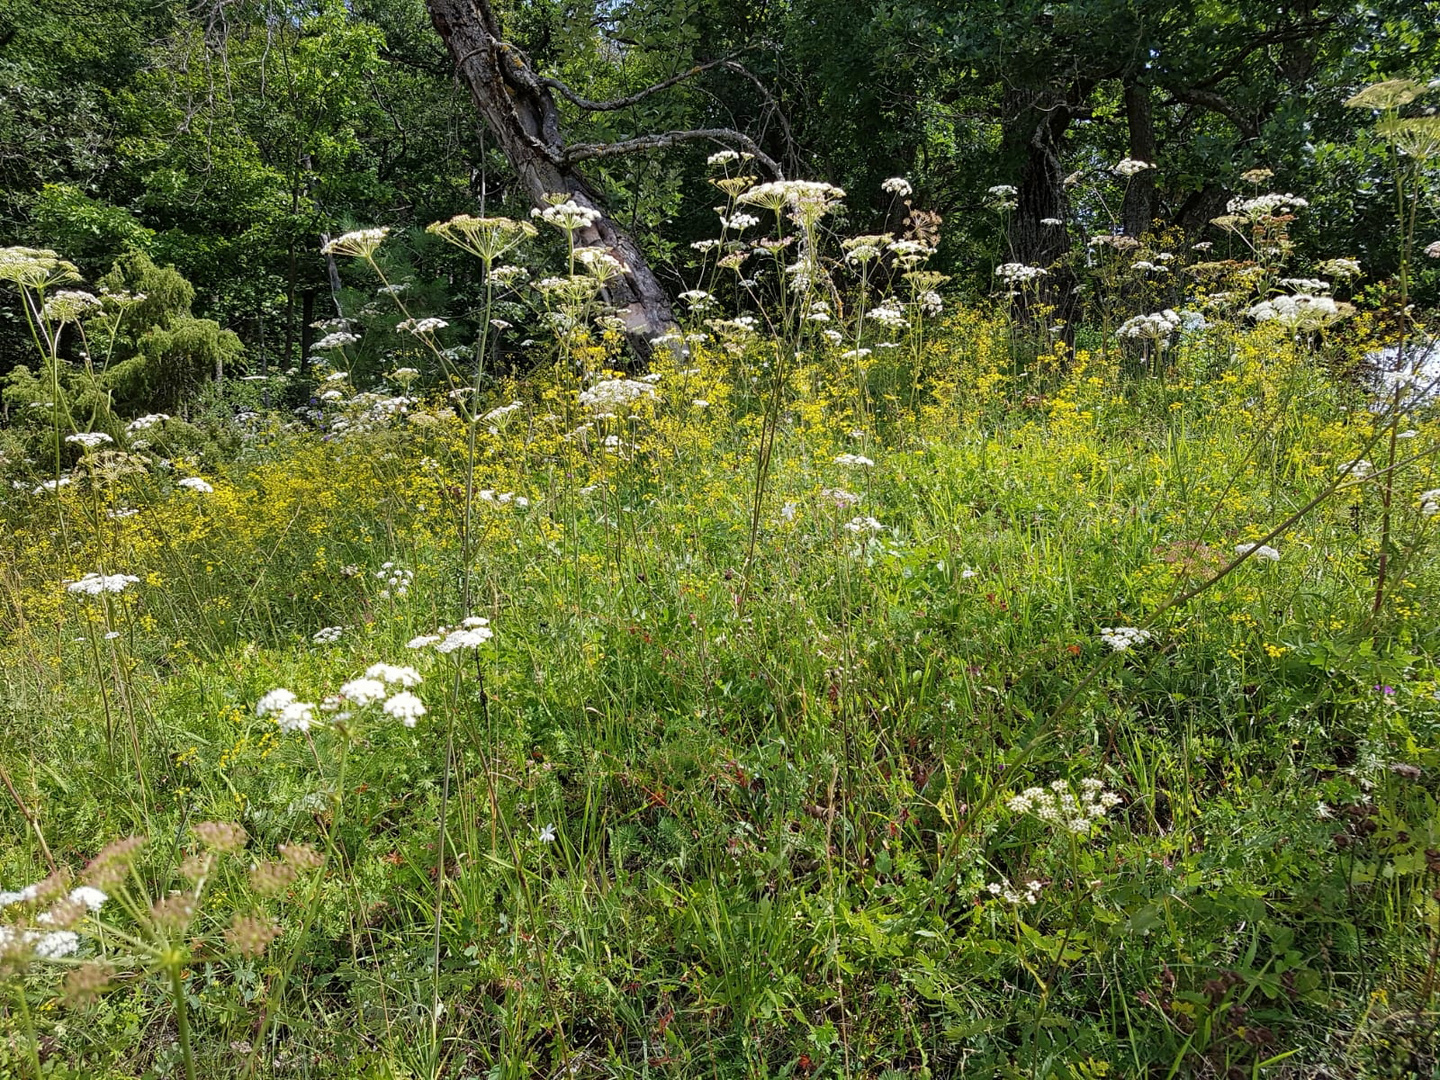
(520, 111)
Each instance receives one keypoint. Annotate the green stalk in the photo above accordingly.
(182, 1020)
(31, 1043)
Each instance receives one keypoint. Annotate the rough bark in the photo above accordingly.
(518, 107)
(1137, 213)
(1036, 126)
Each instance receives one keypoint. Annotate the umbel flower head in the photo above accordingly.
(566, 214)
(361, 243)
(487, 238)
(1390, 94)
(70, 305)
(1128, 167)
(97, 584)
(611, 394)
(35, 268)
(1058, 804)
(89, 439)
(1123, 638)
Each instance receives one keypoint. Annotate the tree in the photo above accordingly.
(519, 107)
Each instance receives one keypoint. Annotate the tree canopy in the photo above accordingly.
(227, 139)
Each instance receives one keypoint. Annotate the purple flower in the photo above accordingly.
(1386, 689)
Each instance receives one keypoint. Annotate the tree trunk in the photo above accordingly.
(307, 332)
(1137, 214)
(519, 110)
(1036, 124)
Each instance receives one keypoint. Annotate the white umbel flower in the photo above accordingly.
(196, 484)
(273, 701)
(393, 673)
(471, 638)
(1121, 638)
(363, 692)
(405, 707)
(96, 584)
(1263, 552)
(89, 439)
(296, 716)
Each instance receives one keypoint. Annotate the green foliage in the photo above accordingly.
(92, 232)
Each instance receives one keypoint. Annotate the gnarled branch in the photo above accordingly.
(587, 151)
(639, 95)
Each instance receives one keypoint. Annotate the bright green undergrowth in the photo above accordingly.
(704, 823)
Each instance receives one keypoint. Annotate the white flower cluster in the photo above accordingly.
(291, 714)
(473, 633)
(377, 686)
(1432, 251)
(1128, 167)
(1003, 197)
(360, 243)
(470, 634)
(1357, 470)
(612, 394)
(1121, 638)
(93, 898)
(1019, 273)
(897, 185)
(722, 157)
(421, 327)
(842, 499)
(795, 193)
(328, 635)
(739, 222)
(394, 673)
(889, 314)
(89, 439)
(498, 417)
(196, 484)
(96, 584)
(1157, 327)
(44, 945)
(396, 578)
(1264, 206)
(1301, 311)
(69, 305)
(568, 215)
(863, 526)
(1262, 552)
(503, 498)
(337, 340)
(1305, 284)
(1011, 895)
(1430, 502)
(1058, 805)
(857, 461)
(143, 422)
(1341, 268)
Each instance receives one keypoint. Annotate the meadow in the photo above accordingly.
(961, 695)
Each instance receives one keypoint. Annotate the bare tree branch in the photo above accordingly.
(588, 151)
(1217, 103)
(637, 97)
(725, 63)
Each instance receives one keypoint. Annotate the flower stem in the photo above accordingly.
(31, 1043)
(182, 1020)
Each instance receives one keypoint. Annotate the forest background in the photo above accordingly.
(227, 138)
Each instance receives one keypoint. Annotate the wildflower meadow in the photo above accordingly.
(865, 674)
